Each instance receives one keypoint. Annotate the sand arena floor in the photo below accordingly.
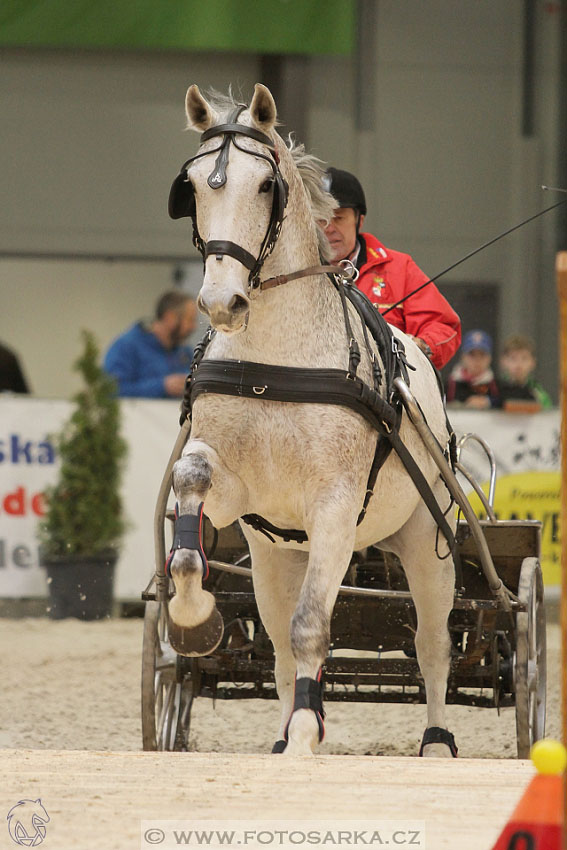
(70, 735)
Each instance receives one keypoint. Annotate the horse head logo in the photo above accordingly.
(26, 823)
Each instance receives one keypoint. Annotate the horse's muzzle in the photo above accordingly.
(228, 317)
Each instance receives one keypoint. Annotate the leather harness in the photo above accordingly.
(324, 386)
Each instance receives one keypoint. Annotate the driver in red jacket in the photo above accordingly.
(386, 276)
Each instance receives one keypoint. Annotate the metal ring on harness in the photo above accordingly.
(350, 271)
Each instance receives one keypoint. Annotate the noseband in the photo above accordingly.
(182, 195)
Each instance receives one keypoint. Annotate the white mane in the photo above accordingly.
(312, 171)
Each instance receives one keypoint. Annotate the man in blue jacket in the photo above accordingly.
(149, 360)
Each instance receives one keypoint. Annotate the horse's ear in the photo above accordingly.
(263, 108)
(199, 113)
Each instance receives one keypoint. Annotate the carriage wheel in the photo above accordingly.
(530, 667)
(167, 693)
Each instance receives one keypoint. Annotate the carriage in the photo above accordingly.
(463, 621)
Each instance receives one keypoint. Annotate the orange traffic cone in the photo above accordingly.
(536, 822)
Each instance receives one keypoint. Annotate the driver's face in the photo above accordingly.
(341, 232)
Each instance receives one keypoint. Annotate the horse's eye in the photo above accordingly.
(267, 185)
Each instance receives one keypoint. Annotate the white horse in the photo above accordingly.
(299, 465)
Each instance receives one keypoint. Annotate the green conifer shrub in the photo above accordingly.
(84, 508)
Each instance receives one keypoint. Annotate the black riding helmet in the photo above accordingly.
(346, 189)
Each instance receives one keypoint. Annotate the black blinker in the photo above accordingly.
(181, 202)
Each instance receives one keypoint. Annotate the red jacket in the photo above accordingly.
(386, 276)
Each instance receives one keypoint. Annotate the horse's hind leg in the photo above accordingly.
(431, 581)
(195, 625)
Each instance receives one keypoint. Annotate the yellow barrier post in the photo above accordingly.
(561, 273)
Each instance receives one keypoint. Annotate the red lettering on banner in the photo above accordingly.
(38, 504)
(14, 502)
(20, 503)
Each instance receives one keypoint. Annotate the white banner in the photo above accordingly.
(526, 448)
(519, 442)
(28, 464)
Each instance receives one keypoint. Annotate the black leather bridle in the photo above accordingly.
(182, 194)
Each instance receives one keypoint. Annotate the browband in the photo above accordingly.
(241, 129)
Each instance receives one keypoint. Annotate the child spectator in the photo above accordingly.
(516, 379)
(472, 382)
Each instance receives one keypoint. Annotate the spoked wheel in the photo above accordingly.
(167, 692)
(530, 667)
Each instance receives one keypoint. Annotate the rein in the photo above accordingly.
(344, 270)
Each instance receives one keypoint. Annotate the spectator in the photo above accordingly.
(516, 379)
(149, 360)
(472, 382)
(12, 378)
(386, 276)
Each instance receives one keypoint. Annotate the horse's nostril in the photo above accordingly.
(239, 304)
(201, 304)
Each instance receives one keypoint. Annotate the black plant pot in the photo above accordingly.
(81, 586)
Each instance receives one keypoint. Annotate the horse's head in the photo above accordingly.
(235, 193)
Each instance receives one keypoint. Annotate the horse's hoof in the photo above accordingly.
(199, 640)
(437, 751)
(438, 743)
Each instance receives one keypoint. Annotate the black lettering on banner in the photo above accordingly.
(22, 556)
(555, 528)
(18, 555)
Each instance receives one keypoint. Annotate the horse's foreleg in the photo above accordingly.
(431, 581)
(331, 544)
(278, 575)
(195, 625)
